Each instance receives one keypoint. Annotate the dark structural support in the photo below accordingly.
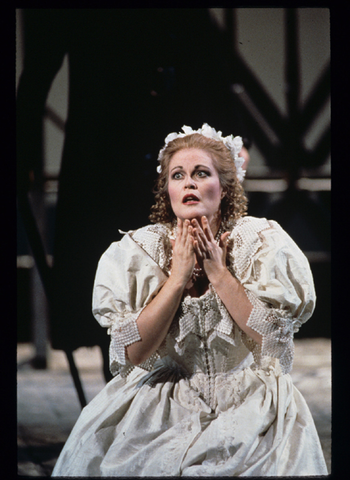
(38, 251)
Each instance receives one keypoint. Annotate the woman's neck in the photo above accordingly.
(215, 227)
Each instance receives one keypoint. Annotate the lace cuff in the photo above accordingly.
(122, 335)
(277, 328)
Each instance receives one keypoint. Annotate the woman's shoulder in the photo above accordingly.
(154, 240)
(249, 227)
(248, 236)
(253, 229)
(253, 238)
(155, 232)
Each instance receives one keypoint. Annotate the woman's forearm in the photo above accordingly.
(233, 296)
(155, 320)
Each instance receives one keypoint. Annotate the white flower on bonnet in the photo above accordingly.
(234, 144)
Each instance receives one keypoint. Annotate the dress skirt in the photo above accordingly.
(261, 426)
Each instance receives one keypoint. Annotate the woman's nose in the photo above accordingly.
(190, 183)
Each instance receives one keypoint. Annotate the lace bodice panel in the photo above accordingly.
(203, 346)
(203, 338)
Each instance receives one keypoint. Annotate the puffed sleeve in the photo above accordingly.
(126, 280)
(278, 281)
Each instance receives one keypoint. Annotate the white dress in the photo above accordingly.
(211, 401)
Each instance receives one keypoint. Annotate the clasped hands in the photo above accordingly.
(195, 244)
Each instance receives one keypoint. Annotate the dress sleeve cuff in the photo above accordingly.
(277, 329)
(122, 335)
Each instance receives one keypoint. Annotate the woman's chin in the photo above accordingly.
(191, 217)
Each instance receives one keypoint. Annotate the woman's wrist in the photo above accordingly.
(176, 282)
(218, 276)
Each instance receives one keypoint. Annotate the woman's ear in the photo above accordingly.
(223, 194)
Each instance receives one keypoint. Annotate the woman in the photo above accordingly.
(206, 300)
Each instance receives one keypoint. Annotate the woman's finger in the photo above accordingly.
(198, 251)
(207, 229)
(190, 236)
(199, 231)
(200, 237)
(223, 240)
(179, 229)
(186, 232)
(182, 232)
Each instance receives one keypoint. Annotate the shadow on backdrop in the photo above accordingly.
(134, 76)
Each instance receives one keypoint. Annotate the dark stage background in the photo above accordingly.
(97, 92)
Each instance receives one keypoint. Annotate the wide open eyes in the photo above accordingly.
(198, 173)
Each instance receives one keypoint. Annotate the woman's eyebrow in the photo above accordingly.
(195, 167)
(178, 166)
(202, 166)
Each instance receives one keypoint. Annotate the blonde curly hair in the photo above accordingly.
(234, 203)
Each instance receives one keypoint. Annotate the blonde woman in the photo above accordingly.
(201, 307)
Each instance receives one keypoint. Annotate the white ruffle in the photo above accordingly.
(202, 316)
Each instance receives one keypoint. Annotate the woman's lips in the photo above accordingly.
(190, 199)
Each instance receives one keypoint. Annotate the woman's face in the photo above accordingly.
(194, 186)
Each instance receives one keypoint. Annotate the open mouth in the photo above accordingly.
(190, 199)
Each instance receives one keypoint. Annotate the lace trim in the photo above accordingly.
(124, 370)
(277, 328)
(201, 316)
(154, 239)
(246, 242)
(122, 335)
